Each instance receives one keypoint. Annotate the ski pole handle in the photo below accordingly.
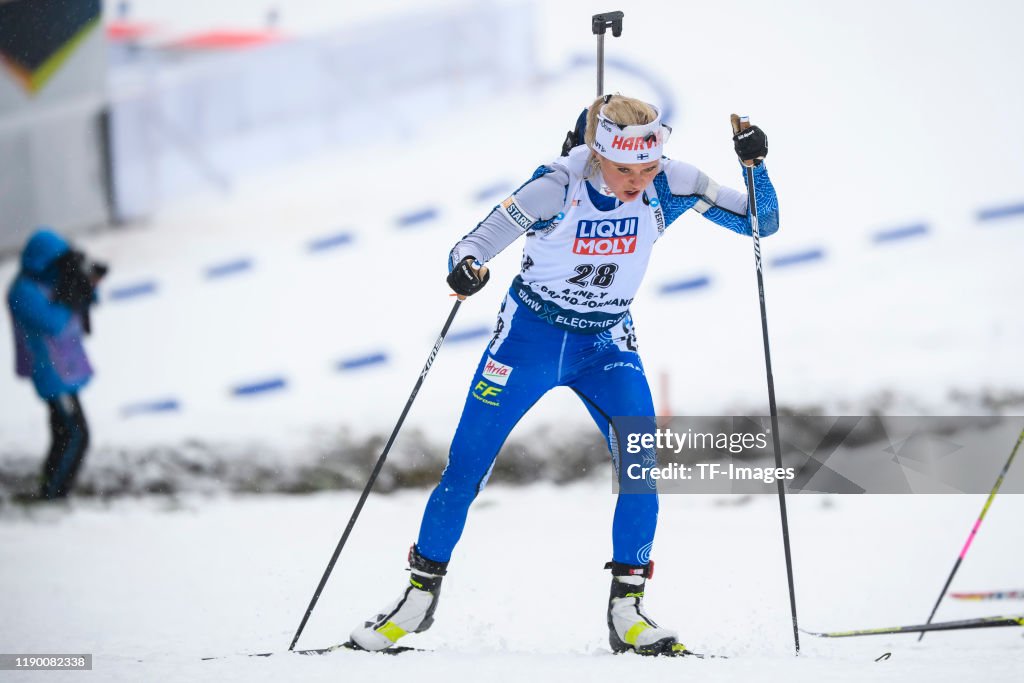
(482, 273)
(739, 123)
(751, 147)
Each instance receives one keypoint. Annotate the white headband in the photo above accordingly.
(630, 144)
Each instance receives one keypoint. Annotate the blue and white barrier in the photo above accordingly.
(381, 357)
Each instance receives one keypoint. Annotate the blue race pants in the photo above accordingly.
(526, 358)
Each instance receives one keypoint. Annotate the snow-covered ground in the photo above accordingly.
(149, 587)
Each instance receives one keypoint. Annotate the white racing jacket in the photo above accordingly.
(581, 265)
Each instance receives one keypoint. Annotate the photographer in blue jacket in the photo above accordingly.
(49, 301)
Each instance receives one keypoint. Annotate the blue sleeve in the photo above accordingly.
(32, 309)
(681, 187)
(767, 208)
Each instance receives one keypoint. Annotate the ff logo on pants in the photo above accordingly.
(483, 391)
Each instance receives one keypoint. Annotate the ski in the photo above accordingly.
(982, 622)
(400, 649)
(990, 595)
(691, 653)
(683, 653)
(678, 650)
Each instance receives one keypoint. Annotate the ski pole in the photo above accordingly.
(376, 471)
(981, 622)
(599, 24)
(737, 125)
(974, 530)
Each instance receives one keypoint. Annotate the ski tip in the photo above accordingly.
(828, 635)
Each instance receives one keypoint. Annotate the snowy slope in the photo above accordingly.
(149, 588)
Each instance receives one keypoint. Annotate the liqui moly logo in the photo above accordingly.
(607, 237)
(497, 372)
(649, 141)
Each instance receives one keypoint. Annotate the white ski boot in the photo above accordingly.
(629, 627)
(413, 612)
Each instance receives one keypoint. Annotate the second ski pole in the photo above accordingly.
(376, 471)
(739, 124)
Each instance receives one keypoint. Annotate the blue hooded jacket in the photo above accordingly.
(47, 335)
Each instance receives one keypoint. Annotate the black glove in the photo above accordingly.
(465, 280)
(751, 144)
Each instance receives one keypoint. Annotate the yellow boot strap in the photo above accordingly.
(391, 631)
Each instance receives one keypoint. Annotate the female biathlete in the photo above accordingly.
(590, 219)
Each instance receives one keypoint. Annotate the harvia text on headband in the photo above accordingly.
(630, 144)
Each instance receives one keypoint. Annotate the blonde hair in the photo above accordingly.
(625, 111)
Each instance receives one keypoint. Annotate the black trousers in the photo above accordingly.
(69, 433)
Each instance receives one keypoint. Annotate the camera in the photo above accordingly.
(98, 270)
(77, 277)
